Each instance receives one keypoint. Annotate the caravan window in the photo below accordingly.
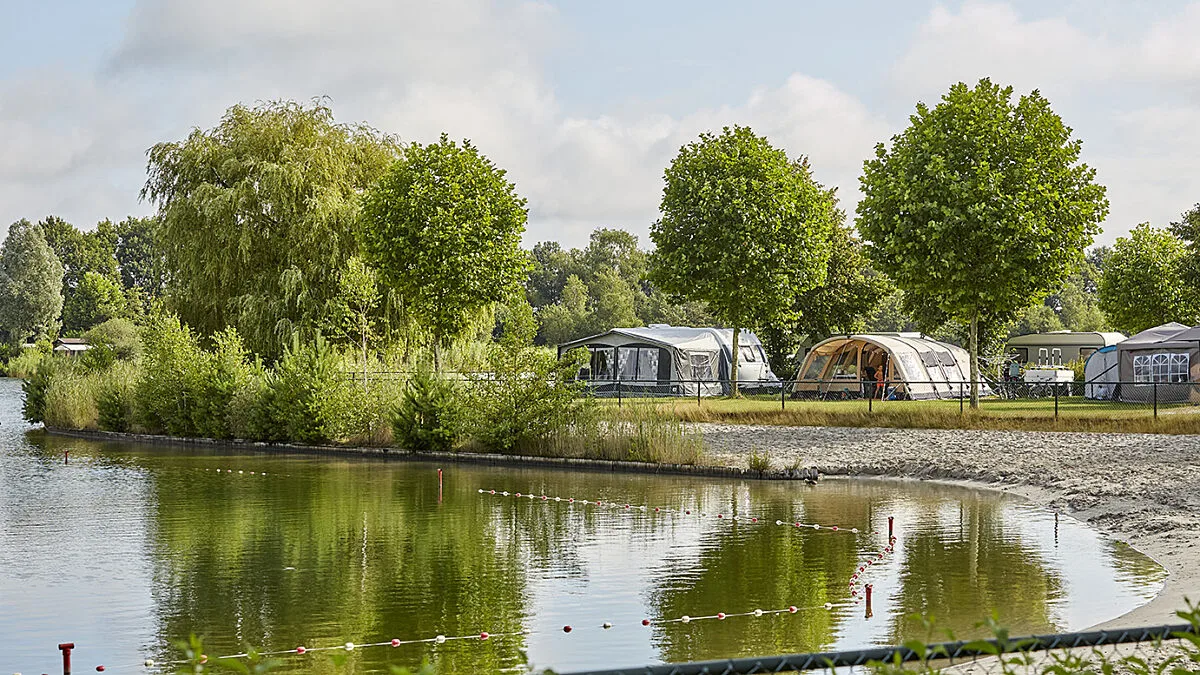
(1161, 368)
(647, 368)
(602, 363)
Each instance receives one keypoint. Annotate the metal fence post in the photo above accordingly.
(619, 402)
(960, 399)
(1156, 399)
(697, 393)
(782, 396)
(1056, 402)
(871, 402)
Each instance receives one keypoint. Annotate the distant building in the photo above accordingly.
(70, 346)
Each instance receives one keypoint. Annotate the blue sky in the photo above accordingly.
(585, 102)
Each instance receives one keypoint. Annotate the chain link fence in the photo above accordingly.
(1157, 650)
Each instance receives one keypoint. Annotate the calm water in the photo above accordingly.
(129, 548)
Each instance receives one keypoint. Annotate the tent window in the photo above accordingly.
(627, 358)
(845, 365)
(815, 366)
(602, 363)
(930, 359)
(1161, 367)
(647, 369)
(947, 359)
(747, 354)
(701, 363)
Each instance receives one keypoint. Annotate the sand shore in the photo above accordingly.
(1143, 489)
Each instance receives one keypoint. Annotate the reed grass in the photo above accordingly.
(72, 400)
(634, 434)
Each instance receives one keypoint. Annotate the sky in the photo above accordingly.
(584, 103)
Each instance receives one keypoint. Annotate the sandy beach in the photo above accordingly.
(1143, 489)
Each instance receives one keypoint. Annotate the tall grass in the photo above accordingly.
(23, 365)
(635, 434)
(72, 400)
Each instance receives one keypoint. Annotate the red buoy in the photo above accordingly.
(793, 609)
(484, 636)
(566, 629)
(721, 616)
(395, 642)
(300, 649)
(645, 622)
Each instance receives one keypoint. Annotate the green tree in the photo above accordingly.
(258, 216)
(94, 300)
(569, 318)
(30, 284)
(852, 288)
(1144, 282)
(444, 228)
(743, 229)
(1039, 318)
(353, 311)
(138, 256)
(613, 302)
(981, 206)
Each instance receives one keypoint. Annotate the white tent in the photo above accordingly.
(672, 361)
(914, 367)
(1101, 374)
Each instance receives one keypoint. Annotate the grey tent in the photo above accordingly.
(1160, 364)
(1101, 374)
(672, 361)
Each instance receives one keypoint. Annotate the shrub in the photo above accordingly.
(119, 335)
(429, 417)
(530, 396)
(299, 396)
(72, 398)
(25, 363)
(184, 390)
(116, 398)
(33, 409)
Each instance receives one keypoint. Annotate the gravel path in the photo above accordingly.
(1141, 488)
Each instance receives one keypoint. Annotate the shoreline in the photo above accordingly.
(1110, 482)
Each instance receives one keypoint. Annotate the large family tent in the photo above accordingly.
(672, 361)
(914, 367)
(1160, 363)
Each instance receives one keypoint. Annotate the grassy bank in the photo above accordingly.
(1019, 414)
(526, 402)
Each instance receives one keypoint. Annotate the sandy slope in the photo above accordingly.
(1143, 489)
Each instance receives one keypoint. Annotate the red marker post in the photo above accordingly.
(891, 524)
(65, 648)
(869, 588)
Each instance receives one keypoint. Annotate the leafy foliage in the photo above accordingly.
(528, 396)
(743, 229)
(429, 418)
(1144, 281)
(30, 284)
(444, 226)
(94, 300)
(981, 206)
(35, 386)
(258, 216)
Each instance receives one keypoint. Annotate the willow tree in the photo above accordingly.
(981, 206)
(443, 227)
(259, 215)
(744, 229)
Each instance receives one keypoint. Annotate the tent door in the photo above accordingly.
(664, 367)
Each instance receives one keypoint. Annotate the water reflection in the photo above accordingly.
(129, 549)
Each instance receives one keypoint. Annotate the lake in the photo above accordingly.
(128, 549)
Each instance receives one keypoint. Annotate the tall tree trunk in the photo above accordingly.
(733, 368)
(973, 346)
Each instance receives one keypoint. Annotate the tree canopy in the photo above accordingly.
(744, 229)
(443, 226)
(981, 207)
(1144, 283)
(31, 278)
(258, 215)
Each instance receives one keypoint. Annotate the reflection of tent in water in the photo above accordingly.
(672, 360)
(913, 366)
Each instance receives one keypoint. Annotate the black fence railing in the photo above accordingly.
(1001, 397)
(1116, 651)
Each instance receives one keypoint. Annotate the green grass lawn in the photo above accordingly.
(1074, 413)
